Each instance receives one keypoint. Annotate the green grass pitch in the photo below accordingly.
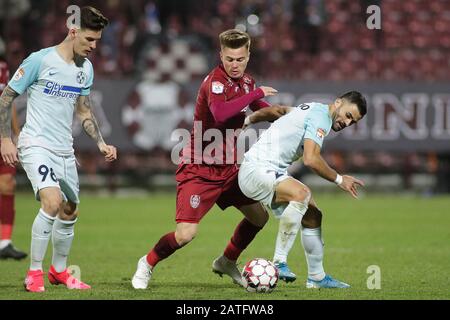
(407, 237)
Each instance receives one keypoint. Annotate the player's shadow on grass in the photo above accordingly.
(7, 286)
(156, 285)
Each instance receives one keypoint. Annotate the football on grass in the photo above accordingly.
(260, 275)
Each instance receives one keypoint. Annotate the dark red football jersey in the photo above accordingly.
(4, 76)
(205, 147)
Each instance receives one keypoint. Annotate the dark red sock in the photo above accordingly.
(244, 233)
(7, 214)
(164, 248)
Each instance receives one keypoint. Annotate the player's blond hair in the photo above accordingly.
(234, 39)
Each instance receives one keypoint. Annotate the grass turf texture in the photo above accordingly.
(407, 237)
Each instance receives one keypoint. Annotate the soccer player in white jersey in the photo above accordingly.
(263, 176)
(57, 81)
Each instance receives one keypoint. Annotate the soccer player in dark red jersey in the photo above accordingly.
(7, 187)
(205, 178)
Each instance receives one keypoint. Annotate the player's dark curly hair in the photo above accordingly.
(92, 19)
(234, 39)
(358, 99)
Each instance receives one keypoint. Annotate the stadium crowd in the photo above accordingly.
(321, 39)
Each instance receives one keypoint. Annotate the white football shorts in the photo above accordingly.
(259, 183)
(46, 169)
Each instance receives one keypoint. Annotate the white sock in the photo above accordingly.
(62, 237)
(290, 223)
(40, 235)
(313, 245)
(4, 243)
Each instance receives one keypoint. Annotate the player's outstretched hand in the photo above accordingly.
(268, 91)
(351, 184)
(110, 152)
(271, 114)
(9, 152)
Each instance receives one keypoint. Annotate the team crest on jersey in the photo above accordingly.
(195, 201)
(320, 133)
(217, 87)
(246, 88)
(81, 77)
(247, 80)
(19, 74)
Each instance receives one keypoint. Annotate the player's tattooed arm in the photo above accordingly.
(15, 122)
(88, 120)
(6, 100)
(8, 149)
(90, 125)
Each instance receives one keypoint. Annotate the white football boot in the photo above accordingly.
(222, 265)
(142, 275)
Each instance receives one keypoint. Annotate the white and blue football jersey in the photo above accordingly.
(282, 144)
(53, 87)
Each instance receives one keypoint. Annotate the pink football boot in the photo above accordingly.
(65, 278)
(34, 282)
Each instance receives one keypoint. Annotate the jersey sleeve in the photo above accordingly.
(258, 104)
(317, 127)
(4, 76)
(86, 90)
(27, 73)
(221, 106)
(216, 90)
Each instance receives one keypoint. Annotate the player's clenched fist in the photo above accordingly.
(109, 151)
(268, 91)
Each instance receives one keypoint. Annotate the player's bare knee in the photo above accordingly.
(7, 184)
(312, 218)
(301, 194)
(185, 235)
(184, 238)
(51, 205)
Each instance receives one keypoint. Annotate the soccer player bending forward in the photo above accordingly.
(263, 176)
(57, 81)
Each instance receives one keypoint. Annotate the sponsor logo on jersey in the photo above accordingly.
(19, 74)
(320, 133)
(217, 87)
(58, 90)
(195, 201)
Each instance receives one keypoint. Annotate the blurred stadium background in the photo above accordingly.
(154, 54)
